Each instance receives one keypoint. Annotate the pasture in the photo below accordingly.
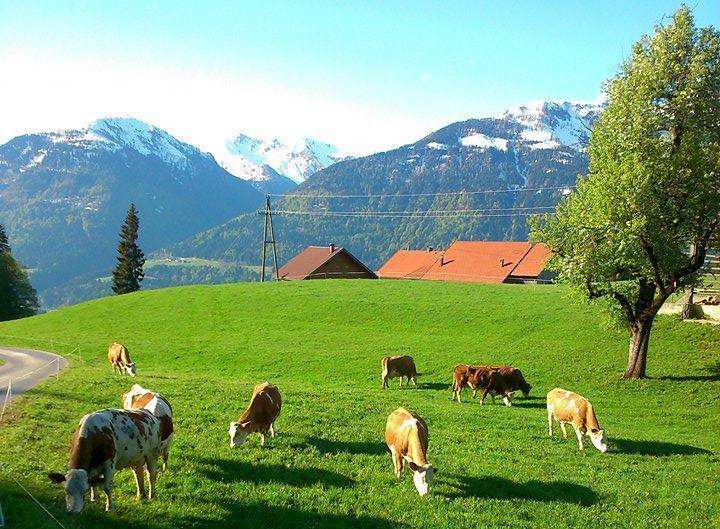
(204, 347)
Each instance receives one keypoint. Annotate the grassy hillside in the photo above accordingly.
(321, 342)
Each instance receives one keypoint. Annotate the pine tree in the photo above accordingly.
(18, 298)
(4, 244)
(128, 272)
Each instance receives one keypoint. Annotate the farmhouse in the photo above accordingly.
(473, 261)
(325, 262)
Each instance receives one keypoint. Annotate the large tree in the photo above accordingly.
(638, 226)
(128, 272)
(18, 298)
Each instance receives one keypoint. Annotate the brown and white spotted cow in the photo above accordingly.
(119, 358)
(259, 416)
(567, 407)
(398, 367)
(107, 441)
(406, 435)
(140, 398)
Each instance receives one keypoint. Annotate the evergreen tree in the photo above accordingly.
(638, 227)
(128, 272)
(4, 244)
(18, 298)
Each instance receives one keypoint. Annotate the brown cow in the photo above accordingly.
(119, 358)
(107, 441)
(568, 407)
(465, 375)
(398, 366)
(406, 435)
(140, 398)
(259, 416)
(496, 383)
(514, 379)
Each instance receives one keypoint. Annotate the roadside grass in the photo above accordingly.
(205, 347)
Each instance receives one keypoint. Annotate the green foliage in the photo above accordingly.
(128, 272)
(205, 347)
(638, 226)
(4, 243)
(18, 298)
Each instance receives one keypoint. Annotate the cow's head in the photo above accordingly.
(77, 484)
(130, 369)
(525, 388)
(422, 477)
(598, 439)
(238, 433)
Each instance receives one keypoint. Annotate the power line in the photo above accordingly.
(412, 214)
(448, 193)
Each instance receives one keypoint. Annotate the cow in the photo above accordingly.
(406, 435)
(513, 380)
(140, 398)
(107, 441)
(465, 375)
(260, 415)
(568, 407)
(495, 382)
(119, 358)
(398, 366)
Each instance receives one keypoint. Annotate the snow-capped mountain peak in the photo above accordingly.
(296, 159)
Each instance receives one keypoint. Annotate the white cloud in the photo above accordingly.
(202, 107)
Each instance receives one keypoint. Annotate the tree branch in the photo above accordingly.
(657, 275)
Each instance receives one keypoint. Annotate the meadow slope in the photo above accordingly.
(321, 342)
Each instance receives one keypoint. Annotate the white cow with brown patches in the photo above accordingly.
(406, 435)
(107, 441)
(259, 417)
(140, 398)
(567, 407)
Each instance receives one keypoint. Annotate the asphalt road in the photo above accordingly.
(26, 368)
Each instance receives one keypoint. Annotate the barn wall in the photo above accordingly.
(341, 266)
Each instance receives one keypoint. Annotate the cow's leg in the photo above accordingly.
(139, 471)
(474, 392)
(272, 431)
(579, 436)
(485, 393)
(550, 421)
(401, 381)
(262, 438)
(165, 455)
(152, 474)
(507, 399)
(564, 431)
(93, 493)
(414, 380)
(107, 486)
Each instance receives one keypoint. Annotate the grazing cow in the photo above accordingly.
(406, 435)
(514, 379)
(465, 375)
(140, 398)
(259, 416)
(107, 441)
(496, 383)
(398, 366)
(568, 407)
(119, 358)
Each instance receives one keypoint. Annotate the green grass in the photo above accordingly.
(321, 342)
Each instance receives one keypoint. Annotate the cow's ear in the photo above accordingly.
(96, 481)
(56, 477)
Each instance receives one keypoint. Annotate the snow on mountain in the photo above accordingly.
(481, 140)
(297, 159)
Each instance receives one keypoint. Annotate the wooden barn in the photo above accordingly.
(473, 261)
(325, 262)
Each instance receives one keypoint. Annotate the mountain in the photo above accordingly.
(275, 165)
(514, 156)
(63, 196)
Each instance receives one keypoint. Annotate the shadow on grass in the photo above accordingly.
(493, 487)
(654, 448)
(713, 376)
(435, 385)
(326, 446)
(229, 470)
(263, 515)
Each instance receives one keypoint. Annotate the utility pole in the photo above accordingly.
(268, 224)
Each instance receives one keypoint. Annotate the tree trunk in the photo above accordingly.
(639, 341)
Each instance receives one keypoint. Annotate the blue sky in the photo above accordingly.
(365, 75)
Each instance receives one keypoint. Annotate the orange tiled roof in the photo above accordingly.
(534, 261)
(478, 261)
(408, 264)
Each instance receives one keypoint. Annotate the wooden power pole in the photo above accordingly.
(268, 224)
